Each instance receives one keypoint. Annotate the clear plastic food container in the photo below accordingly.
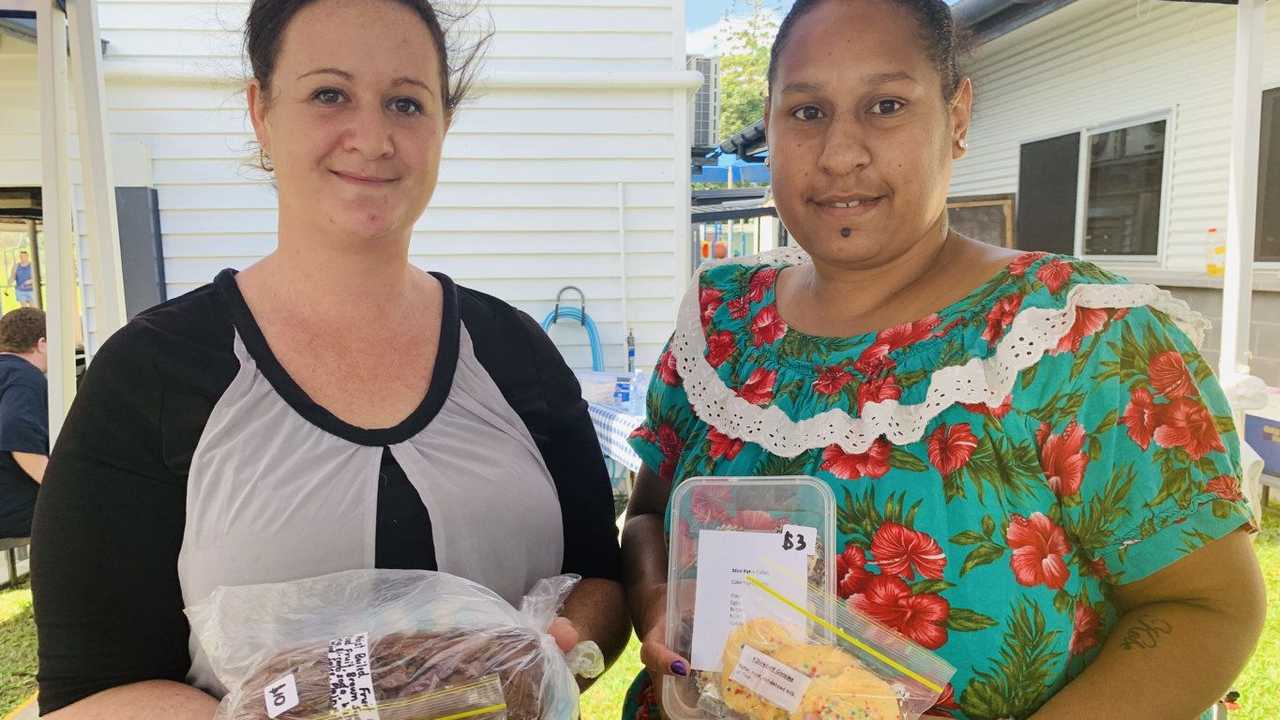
(751, 602)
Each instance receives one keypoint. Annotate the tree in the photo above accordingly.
(744, 67)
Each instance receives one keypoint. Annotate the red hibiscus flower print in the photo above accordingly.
(1085, 633)
(832, 380)
(720, 346)
(756, 521)
(997, 412)
(723, 446)
(901, 551)
(760, 283)
(922, 618)
(739, 307)
(878, 390)
(708, 509)
(644, 433)
(1141, 417)
(874, 360)
(708, 505)
(758, 389)
(688, 550)
(667, 369)
(767, 327)
(945, 704)
(851, 571)
(1063, 458)
(1038, 546)
(873, 463)
(900, 336)
(1186, 423)
(671, 446)
(709, 301)
(951, 446)
(1098, 568)
(1169, 375)
(1225, 487)
(1055, 274)
(1001, 317)
(1023, 262)
(1088, 321)
(647, 698)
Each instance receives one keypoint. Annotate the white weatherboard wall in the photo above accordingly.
(19, 114)
(580, 95)
(1097, 62)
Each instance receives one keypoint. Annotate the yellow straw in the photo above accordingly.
(847, 637)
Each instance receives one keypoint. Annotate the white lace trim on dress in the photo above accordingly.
(1034, 332)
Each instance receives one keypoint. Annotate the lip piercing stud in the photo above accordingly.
(846, 232)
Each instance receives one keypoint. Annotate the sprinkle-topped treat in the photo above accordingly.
(838, 686)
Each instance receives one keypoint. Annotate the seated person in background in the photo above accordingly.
(24, 418)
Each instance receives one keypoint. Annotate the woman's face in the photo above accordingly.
(354, 120)
(861, 138)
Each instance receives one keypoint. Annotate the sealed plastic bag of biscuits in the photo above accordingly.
(388, 645)
(833, 664)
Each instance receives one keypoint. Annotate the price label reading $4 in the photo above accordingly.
(799, 539)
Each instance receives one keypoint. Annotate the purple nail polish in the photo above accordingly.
(678, 667)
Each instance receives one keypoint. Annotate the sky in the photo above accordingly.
(703, 18)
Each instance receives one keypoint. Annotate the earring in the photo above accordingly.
(964, 144)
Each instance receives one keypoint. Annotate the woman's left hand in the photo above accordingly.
(565, 633)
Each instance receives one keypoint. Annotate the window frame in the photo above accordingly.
(1166, 182)
(1262, 170)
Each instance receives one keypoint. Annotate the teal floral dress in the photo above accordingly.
(998, 465)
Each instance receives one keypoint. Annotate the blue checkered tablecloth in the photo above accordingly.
(613, 427)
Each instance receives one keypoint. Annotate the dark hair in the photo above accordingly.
(21, 329)
(944, 42)
(265, 26)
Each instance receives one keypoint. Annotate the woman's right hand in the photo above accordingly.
(659, 660)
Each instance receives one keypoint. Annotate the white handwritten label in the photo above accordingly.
(725, 599)
(801, 539)
(350, 679)
(281, 696)
(779, 684)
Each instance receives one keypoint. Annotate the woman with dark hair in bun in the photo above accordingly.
(1036, 473)
(267, 428)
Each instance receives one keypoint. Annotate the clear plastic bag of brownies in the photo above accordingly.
(751, 602)
(389, 645)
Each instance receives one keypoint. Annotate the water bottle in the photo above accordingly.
(639, 393)
(1215, 264)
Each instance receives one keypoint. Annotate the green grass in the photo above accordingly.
(17, 648)
(603, 701)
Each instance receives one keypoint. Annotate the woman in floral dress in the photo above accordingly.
(1036, 473)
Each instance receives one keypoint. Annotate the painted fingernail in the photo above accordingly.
(678, 667)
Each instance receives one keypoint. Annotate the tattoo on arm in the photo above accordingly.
(1145, 633)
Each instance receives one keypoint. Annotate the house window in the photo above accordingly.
(1048, 190)
(1268, 242)
(1120, 181)
(1126, 183)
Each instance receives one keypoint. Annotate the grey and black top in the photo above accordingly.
(191, 459)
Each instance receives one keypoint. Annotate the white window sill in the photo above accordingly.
(1265, 279)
